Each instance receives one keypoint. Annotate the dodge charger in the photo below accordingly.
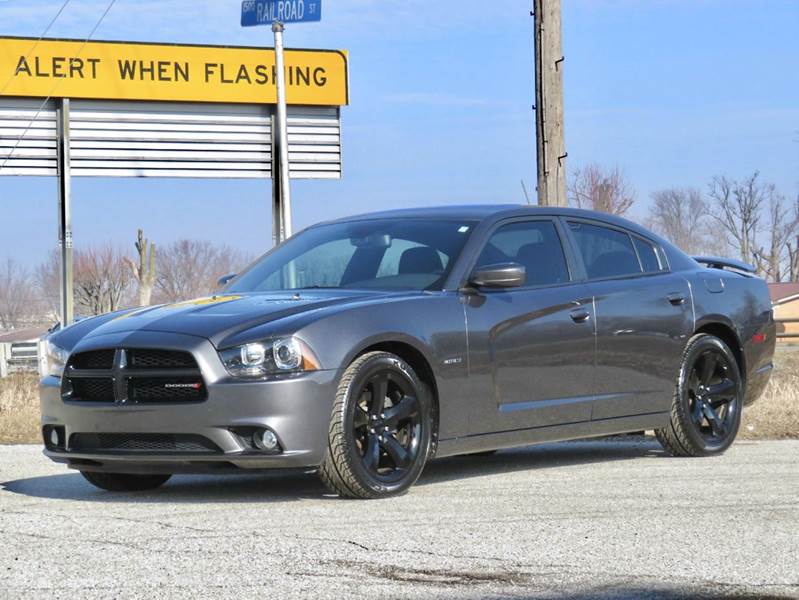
(362, 348)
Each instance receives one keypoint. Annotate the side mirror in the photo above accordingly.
(225, 279)
(502, 275)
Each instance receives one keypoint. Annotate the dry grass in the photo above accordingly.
(19, 409)
(774, 416)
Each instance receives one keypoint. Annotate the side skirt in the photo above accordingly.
(553, 433)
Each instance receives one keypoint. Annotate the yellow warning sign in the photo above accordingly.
(137, 71)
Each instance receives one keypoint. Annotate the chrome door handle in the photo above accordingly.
(676, 299)
(580, 315)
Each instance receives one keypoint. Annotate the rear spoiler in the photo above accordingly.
(716, 262)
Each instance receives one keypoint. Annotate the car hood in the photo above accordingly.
(219, 317)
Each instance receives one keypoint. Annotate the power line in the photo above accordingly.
(55, 85)
(36, 43)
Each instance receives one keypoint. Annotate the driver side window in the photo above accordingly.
(535, 245)
(390, 264)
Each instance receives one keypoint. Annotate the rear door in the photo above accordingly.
(531, 349)
(643, 319)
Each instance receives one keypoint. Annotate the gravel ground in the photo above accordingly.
(600, 519)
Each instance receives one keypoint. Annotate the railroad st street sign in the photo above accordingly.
(266, 12)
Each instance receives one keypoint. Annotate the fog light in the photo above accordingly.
(54, 437)
(266, 440)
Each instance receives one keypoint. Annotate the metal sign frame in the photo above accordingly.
(72, 135)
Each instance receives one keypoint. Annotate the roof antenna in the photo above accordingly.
(526, 195)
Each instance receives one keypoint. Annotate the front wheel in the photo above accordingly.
(124, 482)
(706, 409)
(380, 430)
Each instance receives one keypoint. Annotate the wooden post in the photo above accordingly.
(550, 144)
(3, 363)
(143, 270)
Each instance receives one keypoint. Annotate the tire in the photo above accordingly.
(377, 448)
(708, 399)
(124, 482)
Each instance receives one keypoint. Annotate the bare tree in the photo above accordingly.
(737, 208)
(681, 216)
(143, 270)
(597, 188)
(17, 295)
(776, 258)
(48, 284)
(793, 260)
(190, 268)
(101, 280)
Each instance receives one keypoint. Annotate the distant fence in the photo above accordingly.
(21, 357)
(782, 329)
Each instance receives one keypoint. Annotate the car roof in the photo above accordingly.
(494, 212)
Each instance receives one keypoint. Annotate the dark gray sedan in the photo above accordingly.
(366, 346)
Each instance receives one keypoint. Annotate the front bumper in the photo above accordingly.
(297, 409)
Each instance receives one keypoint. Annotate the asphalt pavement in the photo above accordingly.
(598, 519)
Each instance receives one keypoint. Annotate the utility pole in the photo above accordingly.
(550, 144)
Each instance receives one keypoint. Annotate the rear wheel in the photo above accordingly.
(124, 482)
(380, 430)
(706, 409)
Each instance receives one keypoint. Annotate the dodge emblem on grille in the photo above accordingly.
(192, 386)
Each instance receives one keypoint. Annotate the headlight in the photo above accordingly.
(56, 359)
(261, 359)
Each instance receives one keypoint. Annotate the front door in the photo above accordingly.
(531, 349)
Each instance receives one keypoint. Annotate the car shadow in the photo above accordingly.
(543, 456)
(291, 486)
(180, 489)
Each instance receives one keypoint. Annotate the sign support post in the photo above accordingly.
(276, 13)
(277, 213)
(284, 197)
(65, 211)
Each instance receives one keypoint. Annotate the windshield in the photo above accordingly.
(407, 254)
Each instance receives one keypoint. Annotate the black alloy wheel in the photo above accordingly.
(380, 430)
(712, 396)
(387, 425)
(708, 399)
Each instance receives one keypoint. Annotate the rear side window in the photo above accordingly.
(648, 256)
(606, 252)
(533, 244)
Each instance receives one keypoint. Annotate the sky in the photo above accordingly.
(672, 91)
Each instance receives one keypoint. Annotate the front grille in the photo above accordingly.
(94, 359)
(133, 376)
(163, 389)
(141, 442)
(160, 359)
(93, 389)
